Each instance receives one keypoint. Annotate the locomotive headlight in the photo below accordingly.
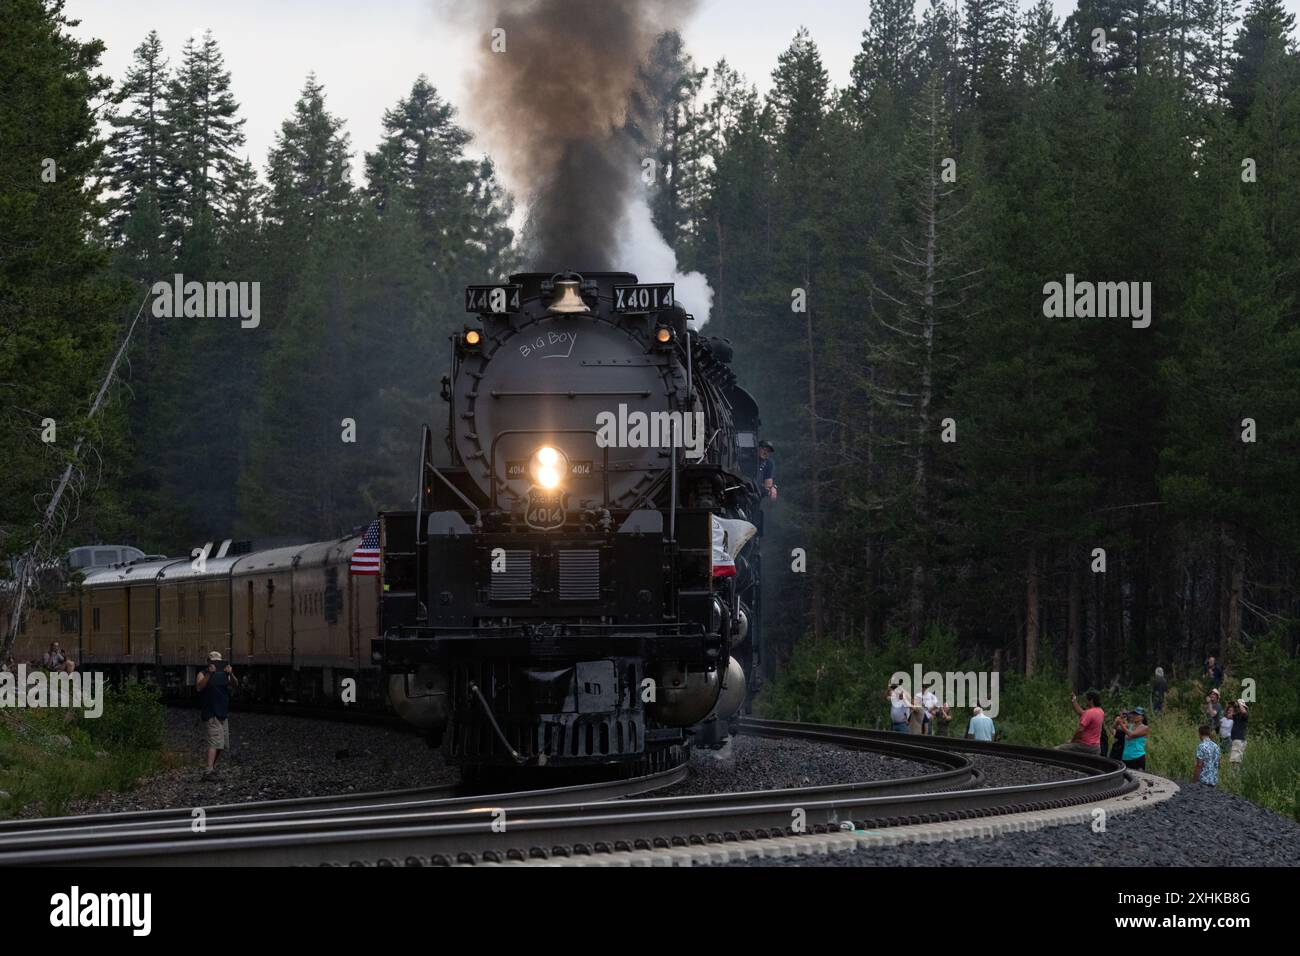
(663, 335)
(548, 467)
(473, 337)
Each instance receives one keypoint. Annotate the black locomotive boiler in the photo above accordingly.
(577, 585)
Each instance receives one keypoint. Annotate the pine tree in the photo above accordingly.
(1021, 405)
(800, 85)
(1235, 360)
(887, 62)
(1211, 22)
(298, 474)
(939, 42)
(799, 102)
(734, 246)
(205, 138)
(1038, 52)
(135, 162)
(60, 312)
(460, 208)
(673, 87)
(988, 31)
(1261, 47)
(918, 308)
(309, 175)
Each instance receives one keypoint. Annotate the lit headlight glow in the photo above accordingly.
(548, 467)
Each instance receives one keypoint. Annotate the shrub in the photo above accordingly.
(39, 767)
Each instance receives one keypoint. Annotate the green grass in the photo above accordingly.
(836, 683)
(51, 757)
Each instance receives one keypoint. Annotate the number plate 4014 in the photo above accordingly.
(545, 511)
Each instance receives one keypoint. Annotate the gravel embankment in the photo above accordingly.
(1196, 827)
(273, 757)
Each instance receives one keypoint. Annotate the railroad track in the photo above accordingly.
(441, 826)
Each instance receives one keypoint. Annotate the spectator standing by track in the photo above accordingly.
(1120, 729)
(1207, 759)
(1159, 687)
(1238, 736)
(1225, 728)
(898, 708)
(1213, 710)
(981, 726)
(1213, 671)
(916, 721)
(1136, 729)
(214, 686)
(930, 702)
(1087, 738)
(945, 720)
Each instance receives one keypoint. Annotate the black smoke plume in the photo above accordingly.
(569, 109)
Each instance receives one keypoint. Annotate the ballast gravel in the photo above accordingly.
(759, 763)
(274, 757)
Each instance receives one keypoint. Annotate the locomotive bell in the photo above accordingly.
(567, 300)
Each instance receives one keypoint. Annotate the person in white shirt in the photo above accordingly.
(1225, 727)
(930, 701)
(980, 726)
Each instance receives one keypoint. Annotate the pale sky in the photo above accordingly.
(368, 52)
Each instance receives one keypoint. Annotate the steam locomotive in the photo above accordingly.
(575, 586)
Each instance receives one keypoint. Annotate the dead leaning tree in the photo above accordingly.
(46, 537)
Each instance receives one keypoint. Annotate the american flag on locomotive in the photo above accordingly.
(365, 559)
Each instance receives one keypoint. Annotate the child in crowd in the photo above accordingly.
(1207, 759)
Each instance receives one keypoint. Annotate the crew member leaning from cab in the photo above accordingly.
(766, 478)
(767, 469)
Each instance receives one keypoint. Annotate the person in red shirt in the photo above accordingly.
(1088, 737)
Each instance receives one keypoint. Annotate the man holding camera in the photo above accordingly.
(900, 708)
(214, 686)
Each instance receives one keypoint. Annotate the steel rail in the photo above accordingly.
(849, 736)
(491, 832)
(88, 838)
(82, 830)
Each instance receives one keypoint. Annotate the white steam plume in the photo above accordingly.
(642, 249)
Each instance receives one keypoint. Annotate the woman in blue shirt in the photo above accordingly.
(1135, 739)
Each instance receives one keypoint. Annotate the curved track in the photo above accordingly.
(442, 826)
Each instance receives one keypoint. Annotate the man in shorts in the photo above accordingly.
(214, 686)
(1237, 750)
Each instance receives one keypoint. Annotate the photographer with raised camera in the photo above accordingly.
(1087, 738)
(1136, 730)
(214, 686)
